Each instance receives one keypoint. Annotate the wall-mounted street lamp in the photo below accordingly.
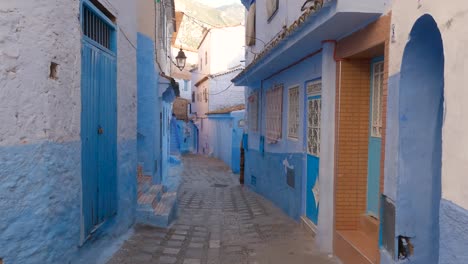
(181, 59)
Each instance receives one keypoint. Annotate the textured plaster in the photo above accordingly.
(327, 150)
(40, 151)
(269, 170)
(219, 134)
(223, 93)
(453, 233)
(34, 107)
(148, 117)
(451, 20)
(40, 204)
(414, 121)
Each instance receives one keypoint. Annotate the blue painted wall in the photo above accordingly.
(219, 130)
(417, 160)
(237, 132)
(148, 104)
(270, 179)
(268, 168)
(453, 233)
(43, 181)
(225, 137)
(186, 131)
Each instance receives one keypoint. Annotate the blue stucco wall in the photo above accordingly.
(269, 174)
(415, 118)
(268, 170)
(186, 134)
(148, 104)
(237, 133)
(43, 182)
(220, 137)
(453, 233)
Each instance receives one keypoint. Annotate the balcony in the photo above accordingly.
(333, 21)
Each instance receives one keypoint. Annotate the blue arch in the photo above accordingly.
(421, 106)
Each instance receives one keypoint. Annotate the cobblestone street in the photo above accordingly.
(219, 221)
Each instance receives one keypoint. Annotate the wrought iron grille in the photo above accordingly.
(96, 29)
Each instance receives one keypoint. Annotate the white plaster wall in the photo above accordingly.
(205, 46)
(288, 12)
(185, 94)
(40, 149)
(223, 93)
(201, 107)
(126, 68)
(29, 99)
(451, 18)
(226, 49)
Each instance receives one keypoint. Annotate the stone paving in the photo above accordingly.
(219, 221)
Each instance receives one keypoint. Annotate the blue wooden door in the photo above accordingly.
(314, 105)
(98, 118)
(375, 138)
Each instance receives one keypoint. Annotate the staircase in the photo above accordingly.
(156, 206)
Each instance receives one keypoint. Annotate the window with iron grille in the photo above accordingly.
(97, 29)
(314, 109)
(274, 113)
(293, 112)
(253, 112)
(377, 89)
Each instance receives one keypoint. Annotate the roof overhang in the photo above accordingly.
(204, 79)
(334, 21)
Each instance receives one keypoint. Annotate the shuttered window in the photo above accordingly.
(274, 113)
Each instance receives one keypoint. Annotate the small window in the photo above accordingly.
(205, 95)
(253, 112)
(250, 26)
(206, 57)
(271, 8)
(274, 113)
(96, 28)
(193, 97)
(376, 90)
(293, 113)
(201, 64)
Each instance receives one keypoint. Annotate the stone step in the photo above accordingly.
(370, 226)
(355, 247)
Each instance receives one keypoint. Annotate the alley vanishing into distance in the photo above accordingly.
(220, 221)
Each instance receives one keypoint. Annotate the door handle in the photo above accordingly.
(100, 131)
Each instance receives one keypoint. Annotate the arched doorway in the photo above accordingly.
(420, 141)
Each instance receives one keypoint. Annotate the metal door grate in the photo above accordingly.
(96, 28)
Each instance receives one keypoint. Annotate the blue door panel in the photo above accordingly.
(374, 154)
(312, 176)
(373, 179)
(99, 153)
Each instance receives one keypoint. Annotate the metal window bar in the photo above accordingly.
(96, 29)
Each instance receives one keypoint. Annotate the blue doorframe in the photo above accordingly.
(374, 154)
(98, 118)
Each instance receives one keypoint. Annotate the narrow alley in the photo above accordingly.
(233, 131)
(219, 221)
